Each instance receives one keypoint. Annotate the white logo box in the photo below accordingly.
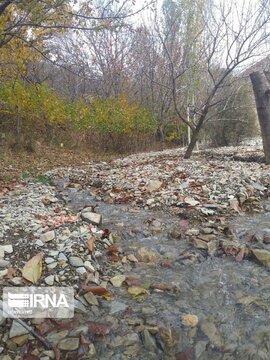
(38, 302)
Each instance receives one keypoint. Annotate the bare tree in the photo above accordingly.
(261, 86)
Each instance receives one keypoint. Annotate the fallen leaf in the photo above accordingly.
(191, 201)
(162, 287)
(99, 329)
(190, 320)
(84, 346)
(132, 281)
(166, 264)
(45, 327)
(106, 234)
(32, 270)
(184, 224)
(112, 250)
(11, 272)
(188, 354)
(240, 255)
(90, 244)
(96, 290)
(234, 205)
(136, 291)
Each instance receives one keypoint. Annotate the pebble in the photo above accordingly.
(117, 306)
(75, 261)
(87, 264)
(49, 280)
(91, 298)
(81, 270)
(48, 236)
(153, 185)
(117, 280)
(62, 257)
(39, 243)
(52, 265)
(92, 218)
(49, 260)
(17, 330)
(147, 255)
(68, 344)
(4, 263)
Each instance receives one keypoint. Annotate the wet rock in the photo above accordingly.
(262, 255)
(211, 331)
(69, 344)
(175, 233)
(128, 340)
(117, 306)
(55, 337)
(48, 236)
(149, 341)
(49, 353)
(207, 231)
(75, 261)
(91, 217)
(91, 351)
(132, 258)
(153, 185)
(118, 280)
(91, 298)
(193, 232)
(200, 348)
(79, 307)
(20, 340)
(199, 244)
(147, 255)
(17, 330)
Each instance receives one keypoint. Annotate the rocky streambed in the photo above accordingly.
(168, 258)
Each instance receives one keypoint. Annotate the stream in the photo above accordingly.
(231, 299)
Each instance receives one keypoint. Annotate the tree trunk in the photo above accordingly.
(261, 88)
(193, 142)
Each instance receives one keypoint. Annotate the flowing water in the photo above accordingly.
(231, 299)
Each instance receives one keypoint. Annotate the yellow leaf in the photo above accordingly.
(33, 268)
(137, 290)
(190, 320)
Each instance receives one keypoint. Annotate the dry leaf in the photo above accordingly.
(190, 320)
(132, 281)
(240, 255)
(136, 291)
(162, 287)
(32, 270)
(90, 244)
(234, 205)
(99, 329)
(96, 290)
(11, 272)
